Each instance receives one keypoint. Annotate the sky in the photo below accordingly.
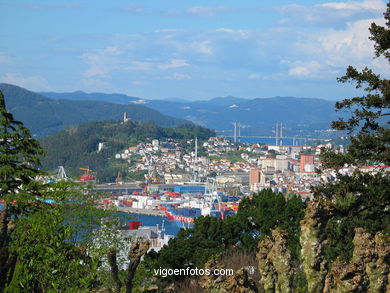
(194, 50)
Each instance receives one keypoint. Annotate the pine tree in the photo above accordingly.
(19, 157)
(361, 199)
(37, 253)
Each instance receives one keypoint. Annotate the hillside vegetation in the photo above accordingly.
(77, 146)
(257, 116)
(46, 116)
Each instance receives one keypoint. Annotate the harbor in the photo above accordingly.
(147, 212)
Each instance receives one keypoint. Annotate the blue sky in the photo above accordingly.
(187, 49)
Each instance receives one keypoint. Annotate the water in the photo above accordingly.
(171, 228)
(271, 141)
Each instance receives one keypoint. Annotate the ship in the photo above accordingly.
(184, 217)
(212, 205)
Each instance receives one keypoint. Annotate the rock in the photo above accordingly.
(275, 265)
(312, 240)
(368, 270)
(239, 282)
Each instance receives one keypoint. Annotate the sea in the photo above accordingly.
(270, 141)
(170, 227)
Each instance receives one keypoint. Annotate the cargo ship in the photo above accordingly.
(184, 217)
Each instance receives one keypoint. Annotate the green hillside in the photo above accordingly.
(46, 116)
(257, 116)
(77, 146)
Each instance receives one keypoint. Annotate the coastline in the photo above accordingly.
(147, 212)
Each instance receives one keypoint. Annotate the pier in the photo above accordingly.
(147, 212)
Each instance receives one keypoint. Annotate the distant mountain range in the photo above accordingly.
(256, 116)
(45, 116)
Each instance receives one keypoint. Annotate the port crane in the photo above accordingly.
(87, 170)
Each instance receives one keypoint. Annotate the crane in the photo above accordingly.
(87, 170)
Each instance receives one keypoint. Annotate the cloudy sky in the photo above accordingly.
(187, 49)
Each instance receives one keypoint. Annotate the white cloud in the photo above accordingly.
(112, 58)
(339, 48)
(174, 63)
(175, 76)
(377, 5)
(113, 50)
(306, 69)
(133, 8)
(203, 11)
(230, 54)
(255, 76)
(241, 34)
(100, 62)
(95, 71)
(180, 76)
(328, 52)
(138, 65)
(203, 47)
(34, 82)
(333, 14)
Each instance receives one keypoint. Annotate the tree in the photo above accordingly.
(369, 112)
(45, 239)
(19, 156)
(362, 199)
(47, 258)
(265, 212)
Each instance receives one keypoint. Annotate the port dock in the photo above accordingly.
(147, 212)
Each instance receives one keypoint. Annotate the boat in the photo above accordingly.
(184, 217)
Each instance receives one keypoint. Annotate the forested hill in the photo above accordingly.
(256, 116)
(77, 147)
(45, 116)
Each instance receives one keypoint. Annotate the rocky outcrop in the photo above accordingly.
(239, 282)
(275, 265)
(137, 250)
(368, 270)
(312, 240)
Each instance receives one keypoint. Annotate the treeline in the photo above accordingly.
(77, 147)
(210, 237)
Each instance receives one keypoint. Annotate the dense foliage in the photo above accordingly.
(46, 244)
(19, 152)
(209, 237)
(266, 211)
(361, 200)
(77, 147)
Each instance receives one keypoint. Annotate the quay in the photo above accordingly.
(115, 189)
(147, 212)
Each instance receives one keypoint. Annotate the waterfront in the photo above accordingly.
(148, 212)
(171, 228)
